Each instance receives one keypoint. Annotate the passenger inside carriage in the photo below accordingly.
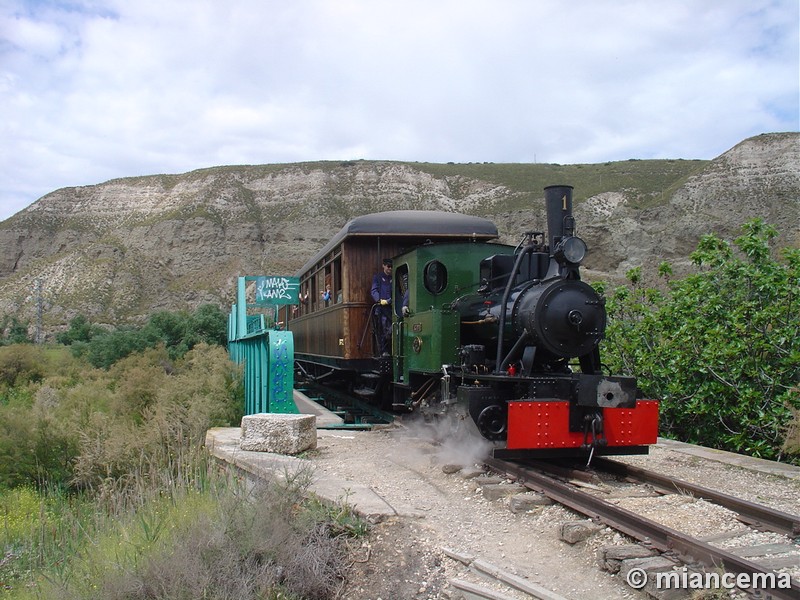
(303, 298)
(327, 294)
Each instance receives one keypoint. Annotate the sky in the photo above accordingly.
(92, 90)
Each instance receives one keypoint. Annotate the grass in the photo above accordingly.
(643, 179)
(210, 536)
(38, 531)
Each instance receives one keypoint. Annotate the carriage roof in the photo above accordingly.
(409, 224)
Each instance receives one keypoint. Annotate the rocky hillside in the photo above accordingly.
(118, 250)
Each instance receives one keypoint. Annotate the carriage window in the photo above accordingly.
(337, 279)
(435, 277)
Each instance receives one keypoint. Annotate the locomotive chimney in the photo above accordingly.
(558, 199)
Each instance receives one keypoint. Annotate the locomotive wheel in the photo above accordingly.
(492, 423)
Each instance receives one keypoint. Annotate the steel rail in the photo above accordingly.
(757, 515)
(658, 536)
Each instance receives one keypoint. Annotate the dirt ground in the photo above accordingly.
(404, 557)
(427, 477)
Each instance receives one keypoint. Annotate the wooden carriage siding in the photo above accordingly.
(348, 262)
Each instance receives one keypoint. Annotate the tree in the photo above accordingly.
(80, 330)
(173, 330)
(720, 347)
(210, 325)
(106, 349)
(14, 331)
(179, 332)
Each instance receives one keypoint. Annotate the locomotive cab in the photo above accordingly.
(428, 333)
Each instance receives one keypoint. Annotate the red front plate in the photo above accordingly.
(535, 425)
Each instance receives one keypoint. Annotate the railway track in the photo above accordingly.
(581, 496)
(754, 515)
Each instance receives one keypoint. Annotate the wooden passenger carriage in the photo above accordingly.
(336, 334)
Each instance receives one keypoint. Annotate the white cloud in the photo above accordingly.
(91, 90)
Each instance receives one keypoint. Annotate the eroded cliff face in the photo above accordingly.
(119, 250)
(760, 177)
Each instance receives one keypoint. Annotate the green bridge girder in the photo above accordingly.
(267, 354)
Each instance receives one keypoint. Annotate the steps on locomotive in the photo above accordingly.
(401, 394)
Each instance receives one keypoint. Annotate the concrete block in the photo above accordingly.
(278, 433)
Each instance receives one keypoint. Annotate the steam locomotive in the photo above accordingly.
(508, 335)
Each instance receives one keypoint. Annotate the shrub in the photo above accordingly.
(138, 379)
(791, 443)
(178, 332)
(14, 331)
(17, 456)
(20, 364)
(222, 539)
(718, 347)
(148, 514)
(82, 429)
(36, 447)
(158, 417)
(80, 330)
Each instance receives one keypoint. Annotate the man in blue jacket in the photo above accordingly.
(382, 295)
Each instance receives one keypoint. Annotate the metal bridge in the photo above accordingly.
(255, 340)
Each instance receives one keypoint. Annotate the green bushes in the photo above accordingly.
(13, 331)
(34, 447)
(20, 364)
(106, 490)
(80, 330)
(178, 332)
(75, 429)
(158, 413)
(720, 347)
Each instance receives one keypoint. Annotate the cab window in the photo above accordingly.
(435, 277)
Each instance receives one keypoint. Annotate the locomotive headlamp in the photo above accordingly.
(571, 250)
